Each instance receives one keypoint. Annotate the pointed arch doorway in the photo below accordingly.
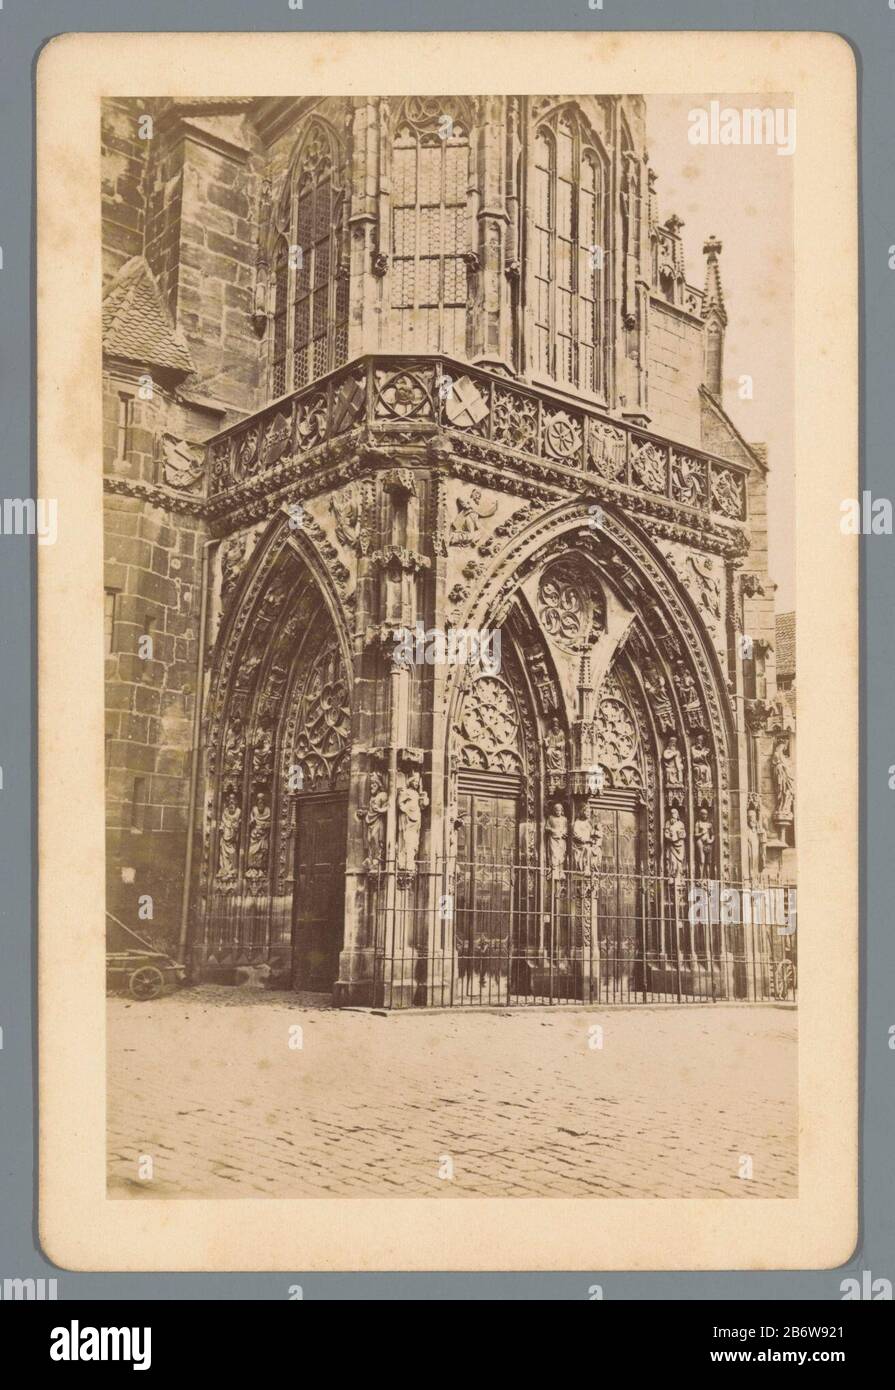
(279, 747)
(316, 752)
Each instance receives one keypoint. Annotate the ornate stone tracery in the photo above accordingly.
(320, 725)
(490, 727)
(571, 606)
(617, 744)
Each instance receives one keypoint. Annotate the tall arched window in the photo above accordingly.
(568, 253)
(310, 311)
(430, 174)
(280, 316)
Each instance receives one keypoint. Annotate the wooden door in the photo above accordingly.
(618, 927)
(318, 904)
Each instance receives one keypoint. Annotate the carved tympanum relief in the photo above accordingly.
(322, 722)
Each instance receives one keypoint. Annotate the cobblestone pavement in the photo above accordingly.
(206, 1083)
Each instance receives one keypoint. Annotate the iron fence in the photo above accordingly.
(482, 934)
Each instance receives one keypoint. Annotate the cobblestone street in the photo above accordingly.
(206, 1083)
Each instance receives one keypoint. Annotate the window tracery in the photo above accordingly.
(429, 233)
(310, 281)
(568, 252)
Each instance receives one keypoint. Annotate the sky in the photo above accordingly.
(743, 195)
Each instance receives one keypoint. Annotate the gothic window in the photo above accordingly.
(125, 426)
(138, 805)
(280, 316)
(430, 174)
(569, 253)
(310, 301)
(110, 603)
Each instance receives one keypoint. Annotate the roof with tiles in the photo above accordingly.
(136, 323)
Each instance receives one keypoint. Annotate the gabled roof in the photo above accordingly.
(758, 452)
(136, 324)
(785, 644)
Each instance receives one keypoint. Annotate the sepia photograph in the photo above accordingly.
(450, 646)
(464, 876)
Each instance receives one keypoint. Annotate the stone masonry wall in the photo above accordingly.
(124, 170)
(675, 373)
(217, 251)
(153, 562)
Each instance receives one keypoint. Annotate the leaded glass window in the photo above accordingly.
(430, 175)
(310, 282)
(568, 253)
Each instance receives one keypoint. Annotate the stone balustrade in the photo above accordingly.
(485, 417)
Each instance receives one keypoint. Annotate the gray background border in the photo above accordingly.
(25, 26)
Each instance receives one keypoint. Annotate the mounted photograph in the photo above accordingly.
(454, 809)
(445, 668)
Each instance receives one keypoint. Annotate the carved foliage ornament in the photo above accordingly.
(728, 493)
(649, 466)
(515, 419)
(616, 743)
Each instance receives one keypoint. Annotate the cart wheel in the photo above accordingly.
(784, 980)
(146, 983)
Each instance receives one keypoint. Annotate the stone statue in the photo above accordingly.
(674, 763)
(412, 801)
(755, 838)
(259, 834)
(373, 817)
(582, 836)
(700, 753)
(347, 515)
(704, 842)
(686, 686)
(784, 783)
(557, 836)
(661, 704)
(234, 744)
(675, 844)
(261, 751)
(228, 841)
(555, 748)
